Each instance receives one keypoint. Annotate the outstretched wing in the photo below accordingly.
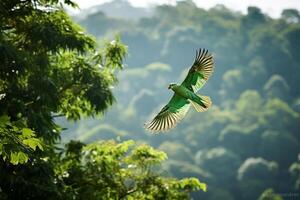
(170, 115)
(200, 71)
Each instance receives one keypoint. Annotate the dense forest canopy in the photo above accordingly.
(246, 146)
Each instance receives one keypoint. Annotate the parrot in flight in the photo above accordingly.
(185, 95)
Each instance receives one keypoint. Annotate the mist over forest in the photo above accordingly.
(246, 146)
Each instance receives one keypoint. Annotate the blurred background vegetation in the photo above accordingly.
(249, 141)
(247, 146)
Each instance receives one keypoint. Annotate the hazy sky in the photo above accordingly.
(271, 7)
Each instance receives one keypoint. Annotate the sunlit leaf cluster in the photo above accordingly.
(17, 141)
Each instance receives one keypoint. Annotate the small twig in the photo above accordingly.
(58, 115)
(128, 192)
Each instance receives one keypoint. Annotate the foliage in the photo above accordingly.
(17, 141)
(47, 66)
(110, 170)
(269, 195)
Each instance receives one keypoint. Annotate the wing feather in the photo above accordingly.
(170, 115)
(152, 124)
(200, 71)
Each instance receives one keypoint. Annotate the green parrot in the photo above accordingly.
(185, 95)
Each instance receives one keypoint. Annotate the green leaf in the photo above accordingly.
(192, 184)
(27, 133)
(4, 120)
(33, 143)
(203, 187)
(18, 158)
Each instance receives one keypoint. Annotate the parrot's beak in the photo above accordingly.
(169, 87)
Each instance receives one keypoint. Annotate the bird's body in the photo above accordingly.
(185, 95)
(184, 92)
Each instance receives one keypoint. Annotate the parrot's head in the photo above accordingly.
(171, 85)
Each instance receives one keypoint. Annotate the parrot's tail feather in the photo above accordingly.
(206, 101)
(198, 107)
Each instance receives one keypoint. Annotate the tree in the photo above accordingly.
(291, 15)
(110, 170)
(250, 173)
(49, 68)
(269, 194)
